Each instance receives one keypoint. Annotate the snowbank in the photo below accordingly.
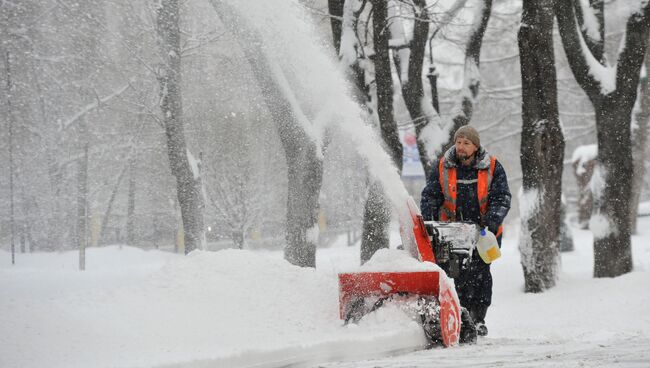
(226, 308)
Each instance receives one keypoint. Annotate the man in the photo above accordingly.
(467, 184)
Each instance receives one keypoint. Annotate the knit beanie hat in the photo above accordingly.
(470, 133)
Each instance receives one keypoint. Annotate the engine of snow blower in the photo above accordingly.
(453, 244)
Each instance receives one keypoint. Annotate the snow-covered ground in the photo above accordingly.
(232, 308)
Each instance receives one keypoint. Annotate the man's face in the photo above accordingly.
(465, 149)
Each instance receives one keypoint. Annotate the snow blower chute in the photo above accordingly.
(429, 294)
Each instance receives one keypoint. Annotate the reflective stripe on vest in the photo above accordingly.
(448, 182)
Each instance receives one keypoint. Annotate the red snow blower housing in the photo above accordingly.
(429, 295)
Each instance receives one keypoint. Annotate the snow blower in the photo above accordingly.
(429, 295)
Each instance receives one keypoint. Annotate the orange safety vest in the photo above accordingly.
(448, 184)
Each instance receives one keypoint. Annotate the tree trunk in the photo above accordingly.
(130, 213)
(376, 219)
(82, 206)
(54, 225)
(542, 148)
(305, 169)
(583, 174)
(169, 78)
(305, 178)
(109, 206)
(384, 82)
(30, 211)
(12, 215)
(335, 8)
(23, 231)
(597, 45)
(639, 143)
(377, 212)
(238, 238)
(610, 221)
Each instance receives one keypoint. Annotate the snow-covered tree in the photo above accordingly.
(169, 77)
(542, 149)
(612, 89)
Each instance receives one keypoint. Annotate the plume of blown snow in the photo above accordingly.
(304, 65)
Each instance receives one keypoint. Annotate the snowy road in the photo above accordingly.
(501, 352)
